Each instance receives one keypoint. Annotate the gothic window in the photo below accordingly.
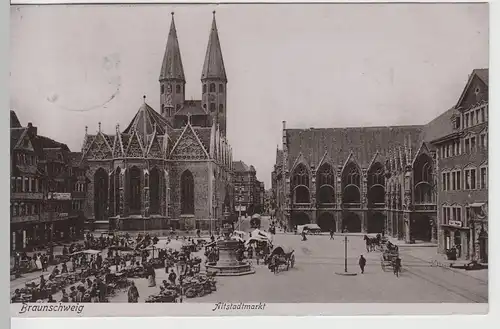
(326, 180)
(204, 88)
(376, 184)
(135, 189)
(187, 193)
(300, 184)
(162, 89)
(162, 109)
(221, 108)
(212, 87)
(422, 177)
(100, 194)
(212, 107)
(178, 89)
(221, 88)
(117, 190)
(351, 184)
(154, 191)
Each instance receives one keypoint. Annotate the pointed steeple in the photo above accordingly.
(171, 67)
(213, 67)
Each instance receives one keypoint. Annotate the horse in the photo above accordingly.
(371, 243)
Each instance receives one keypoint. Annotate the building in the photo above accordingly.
(374, 179)
(42, 178)
(462, 152)
(167, 169)
(246, 198)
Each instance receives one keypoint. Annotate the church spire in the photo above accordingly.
(171, 67)
(213, 67)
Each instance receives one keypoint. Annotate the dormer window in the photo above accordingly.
(457, 122)
(212, 87)
(178, 89)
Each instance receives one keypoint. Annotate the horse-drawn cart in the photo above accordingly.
(389, 257)
(280, 257)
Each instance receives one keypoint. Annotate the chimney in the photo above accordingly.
(32, 130)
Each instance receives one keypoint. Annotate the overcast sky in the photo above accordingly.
(312, 65)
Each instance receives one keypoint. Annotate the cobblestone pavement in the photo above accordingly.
(313, 277)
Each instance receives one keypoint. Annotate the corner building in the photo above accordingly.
(390, 179)
(167, 169)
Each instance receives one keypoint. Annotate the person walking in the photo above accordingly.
(133, 293)
(331, 234)
(362, 264)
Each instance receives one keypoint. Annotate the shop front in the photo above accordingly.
(457, 236)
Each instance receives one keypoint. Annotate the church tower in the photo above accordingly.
(172, 80)
(214, 80)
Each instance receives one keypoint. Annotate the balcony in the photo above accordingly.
(425, 207)
(327, 205)
(301, 205)
(26, 196)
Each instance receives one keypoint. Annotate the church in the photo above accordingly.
(166, 169)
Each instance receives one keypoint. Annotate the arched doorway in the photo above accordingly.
(326, 221)
(376, 223)
(300, 218)
(421, 228)
(100, 194)
(351, 222)
(351, 183)
(154, 191)
(187, 193)
(135, 190)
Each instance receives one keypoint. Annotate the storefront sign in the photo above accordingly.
(63, 214)
(59, 196)
(455, 223)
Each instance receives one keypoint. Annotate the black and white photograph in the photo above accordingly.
(240, 156)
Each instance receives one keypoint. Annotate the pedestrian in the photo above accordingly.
(362, 264)
(172, 276)
(331, 234)
(166, 265)
(133, 293)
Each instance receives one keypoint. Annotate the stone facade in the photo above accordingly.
(463, 172)
(168, 170)
(248, 189)
(388, 179)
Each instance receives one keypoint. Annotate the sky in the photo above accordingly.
(315, 65)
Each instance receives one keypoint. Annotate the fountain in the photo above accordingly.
(228, 264)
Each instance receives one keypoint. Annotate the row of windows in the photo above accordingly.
(24, 209)
(25, 184)
(452, 181)
(79, 187)
(470, 145)
(178, 89)
(454, 213)
(213, 106)
(77, 204)
(26, 159)
(475, 116)
(213, 88)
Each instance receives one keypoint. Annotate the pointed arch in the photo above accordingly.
(100, 194)
(154, 191)
(351, 184)
(423, 179)
(135, 201)
(325, 184)
(300, 184)
(187, 193)
(376, 185)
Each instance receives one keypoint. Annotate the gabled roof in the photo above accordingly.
(14, 120)
(144, 121)
(193, 107)
(240, 166)
(482, 74)
(15, 135)
(360, 143)
(213, 67)
(171, 67)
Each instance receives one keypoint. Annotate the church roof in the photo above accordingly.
(171, 67)
(213, 67)
(440, 126)
(144, 121)
(14, 120)
(339, 143)
(240, 166)
(193, 107)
